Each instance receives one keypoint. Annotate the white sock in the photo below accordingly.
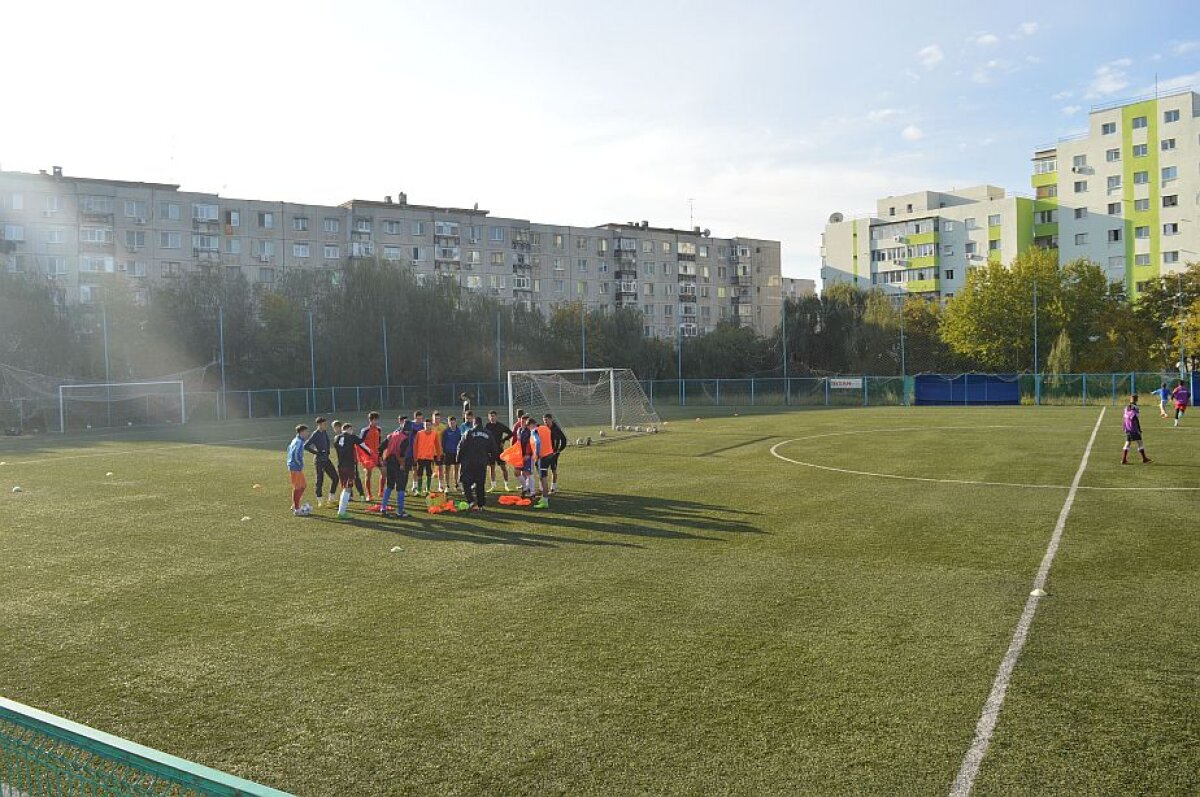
(344, 502)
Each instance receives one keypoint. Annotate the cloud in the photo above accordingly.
(984, 74)
(1071, 110)
(1062, 95)
(912, 133)
(984, 39)
(1033, 59)
(1183, 48)
(881, 114)
(1109, 79)
(930, 56)
(1027, 28)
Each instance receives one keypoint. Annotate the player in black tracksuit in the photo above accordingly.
(318, 446)
(474, 453)
(558, 441)
(500, 435)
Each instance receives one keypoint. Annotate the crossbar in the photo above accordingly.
(144, 760)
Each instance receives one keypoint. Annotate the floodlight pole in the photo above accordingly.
(903, 362)
(1037, 378)
(312, 361)
(583, 333)
(387, 373)
(783, 331)
(498, 377)
(679, 367)
(107, 372)
(224, 409)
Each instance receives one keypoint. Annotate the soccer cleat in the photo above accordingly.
(553, 489)
(1146, 460)
(343, 515)
(542, 503)
(403, 515)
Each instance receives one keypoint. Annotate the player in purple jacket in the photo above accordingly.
(1133, 430)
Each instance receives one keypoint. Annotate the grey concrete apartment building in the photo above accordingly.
(89, 235)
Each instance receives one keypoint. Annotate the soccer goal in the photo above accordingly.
(82, 406)
(584, 398)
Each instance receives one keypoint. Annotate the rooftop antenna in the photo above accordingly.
(691, 213)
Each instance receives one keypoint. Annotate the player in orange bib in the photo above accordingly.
(372, 436)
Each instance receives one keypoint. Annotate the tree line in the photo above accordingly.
(435, 333)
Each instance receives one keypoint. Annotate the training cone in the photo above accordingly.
(1038, 593)
(375, 508)
(254, 487)
(524, 502)
(434, 510)
(462, 505)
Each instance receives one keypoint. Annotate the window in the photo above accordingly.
(994, 220)
(233, 246)
(56, 266)
(1045, 217)
(135, 209)
(331, 251)
(1141, 178)
(169, 240)
(1170, 173)
(96, 204)
(603, 267)
(1108, 128)
(948, 251)
(1080, 186)
(665, 248)
(300, 250)
(496, 234)
(1114, 182)
(300, 224)
(266, 221)
(266, 274)
(204, 212)
(1048, 166)
(1046, 191)
(1171, 228)
(233, 218)
(264, 248)
(1117, 262)
(892, 211)
(1168, 144)
(169, 211)
(1079, 161)
(1114, 208)
(391, 227)
(648, 309)
(332, 225)
(1112, 155)
(418, 254)
(581, 264)
(53, 205)
(169, 269)
(1080, 238)
(497, 258)
(648, 269)
(969, 248)
(391, 253)
(703, 251)
(1139, 122)
(1141, 260)
(96, 264)
(14, 232)
(418, 228)
(1171, 116)
(647, 288)
(1115, 235)
(362, 225)
(1081, 213)
(558, 286)
(1141, 232)
(445, 228)
(581, 288)
(1170, 257)
(668, 310)
(948, 226)
(135, 239)
(1141, 150)
(994, 245)
(558, 240)
(205, 243)
(970, 223)
(1141, 205)
(16, 201)
(54, 235)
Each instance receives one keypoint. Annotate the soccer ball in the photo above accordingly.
(589, 440)
(306, 509)
(578, 442)
(637, 429)
(602, 432)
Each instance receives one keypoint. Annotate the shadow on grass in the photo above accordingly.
(591, 514)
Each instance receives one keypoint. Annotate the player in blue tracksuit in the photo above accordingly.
(451, 437)
(410, 455)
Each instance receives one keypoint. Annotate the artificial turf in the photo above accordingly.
(691, 615)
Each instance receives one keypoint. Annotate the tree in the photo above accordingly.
(1059, 361)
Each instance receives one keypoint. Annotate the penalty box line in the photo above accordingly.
(990, 715)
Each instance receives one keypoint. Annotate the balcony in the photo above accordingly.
(741, 279)
(689, 298)
(446, 240)
(625, 255)
(682, 258)
(521, 266)
(623, 273)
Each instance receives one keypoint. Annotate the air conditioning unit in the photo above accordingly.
(47, 213)
(1077, 169)
(264, 258)
(140, 221)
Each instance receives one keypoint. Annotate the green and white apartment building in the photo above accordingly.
(1125, 194)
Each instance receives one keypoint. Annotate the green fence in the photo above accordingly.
(43, 755)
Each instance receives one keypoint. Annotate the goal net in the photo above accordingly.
(583, 400)
(31, 402)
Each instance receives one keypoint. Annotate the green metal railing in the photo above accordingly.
(43, 755)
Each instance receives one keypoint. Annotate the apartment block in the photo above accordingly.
(924, 243)
(90, 235)
(1125, 193)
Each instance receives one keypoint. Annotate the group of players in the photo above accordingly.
(458, 455)
(1179, 395)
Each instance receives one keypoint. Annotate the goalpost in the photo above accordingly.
(124, 403)
(583, 397)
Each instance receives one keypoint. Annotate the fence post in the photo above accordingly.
(752, 381)
(249, 403)
(866, 382)
(279, 402)
(1084, 390)
(826, 391)
(718, 381)
(333, 397)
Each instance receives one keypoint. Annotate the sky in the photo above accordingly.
(752, 118)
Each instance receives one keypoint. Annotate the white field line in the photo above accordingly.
(929, 480)
(173, 447)
(973, 759)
